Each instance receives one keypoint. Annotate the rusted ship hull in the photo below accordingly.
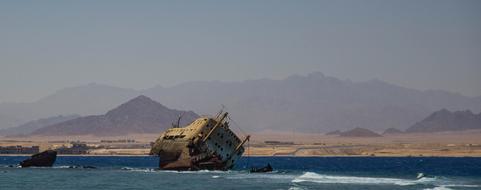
(205, 144)
(42, 159)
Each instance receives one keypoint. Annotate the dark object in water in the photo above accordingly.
(267, 168)
(42, 159)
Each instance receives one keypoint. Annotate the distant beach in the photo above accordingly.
(452, 144)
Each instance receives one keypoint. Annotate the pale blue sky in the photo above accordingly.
(422, 44)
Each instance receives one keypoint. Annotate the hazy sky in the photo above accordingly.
(49, 45)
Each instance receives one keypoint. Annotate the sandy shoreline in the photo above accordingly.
(456, 144)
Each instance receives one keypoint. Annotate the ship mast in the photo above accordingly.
(241, 144)
(178, 121)
(217, 125)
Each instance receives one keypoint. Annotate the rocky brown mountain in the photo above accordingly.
(445, 120)
(139, 115)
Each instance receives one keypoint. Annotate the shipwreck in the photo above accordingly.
(206, 144)
(42, 159)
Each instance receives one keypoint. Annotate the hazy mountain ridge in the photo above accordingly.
(392, 131)
(336, 132)
(139, 115)
(359, 132)
(88, 99)
(312, 103)
(31, 126)
(445, 120)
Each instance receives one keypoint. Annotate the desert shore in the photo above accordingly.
(451, 144)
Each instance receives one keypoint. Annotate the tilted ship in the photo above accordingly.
(42, 159)
(206, 144)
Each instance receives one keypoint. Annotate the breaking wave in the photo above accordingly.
(319, 178)
(138, 169)
(273, 176)
(173, 171)
(434, 182)
(447, 187)
(438, 188)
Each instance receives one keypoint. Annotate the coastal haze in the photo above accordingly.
(304, 103)
(303, 115)
(312, 78)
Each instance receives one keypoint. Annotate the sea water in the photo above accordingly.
(139, 172)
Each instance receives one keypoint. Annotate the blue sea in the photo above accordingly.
(291, 173)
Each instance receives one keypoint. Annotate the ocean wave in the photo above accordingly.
(319, 178)
(174, 171)
(295, 188)
(72, 167)
(434, 182)
(196, 172)
(10, 166)
(438, 188)
(145, 170)
(463, 185)
(247, 175)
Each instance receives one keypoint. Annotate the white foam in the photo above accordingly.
(318, 178)
(174, 172)
(261, 176)
(438, 188)
(460, 185)
(138, 169)
(295, 188)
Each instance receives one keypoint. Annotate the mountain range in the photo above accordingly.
(139, 115)
(311, 103)
(29, 127)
